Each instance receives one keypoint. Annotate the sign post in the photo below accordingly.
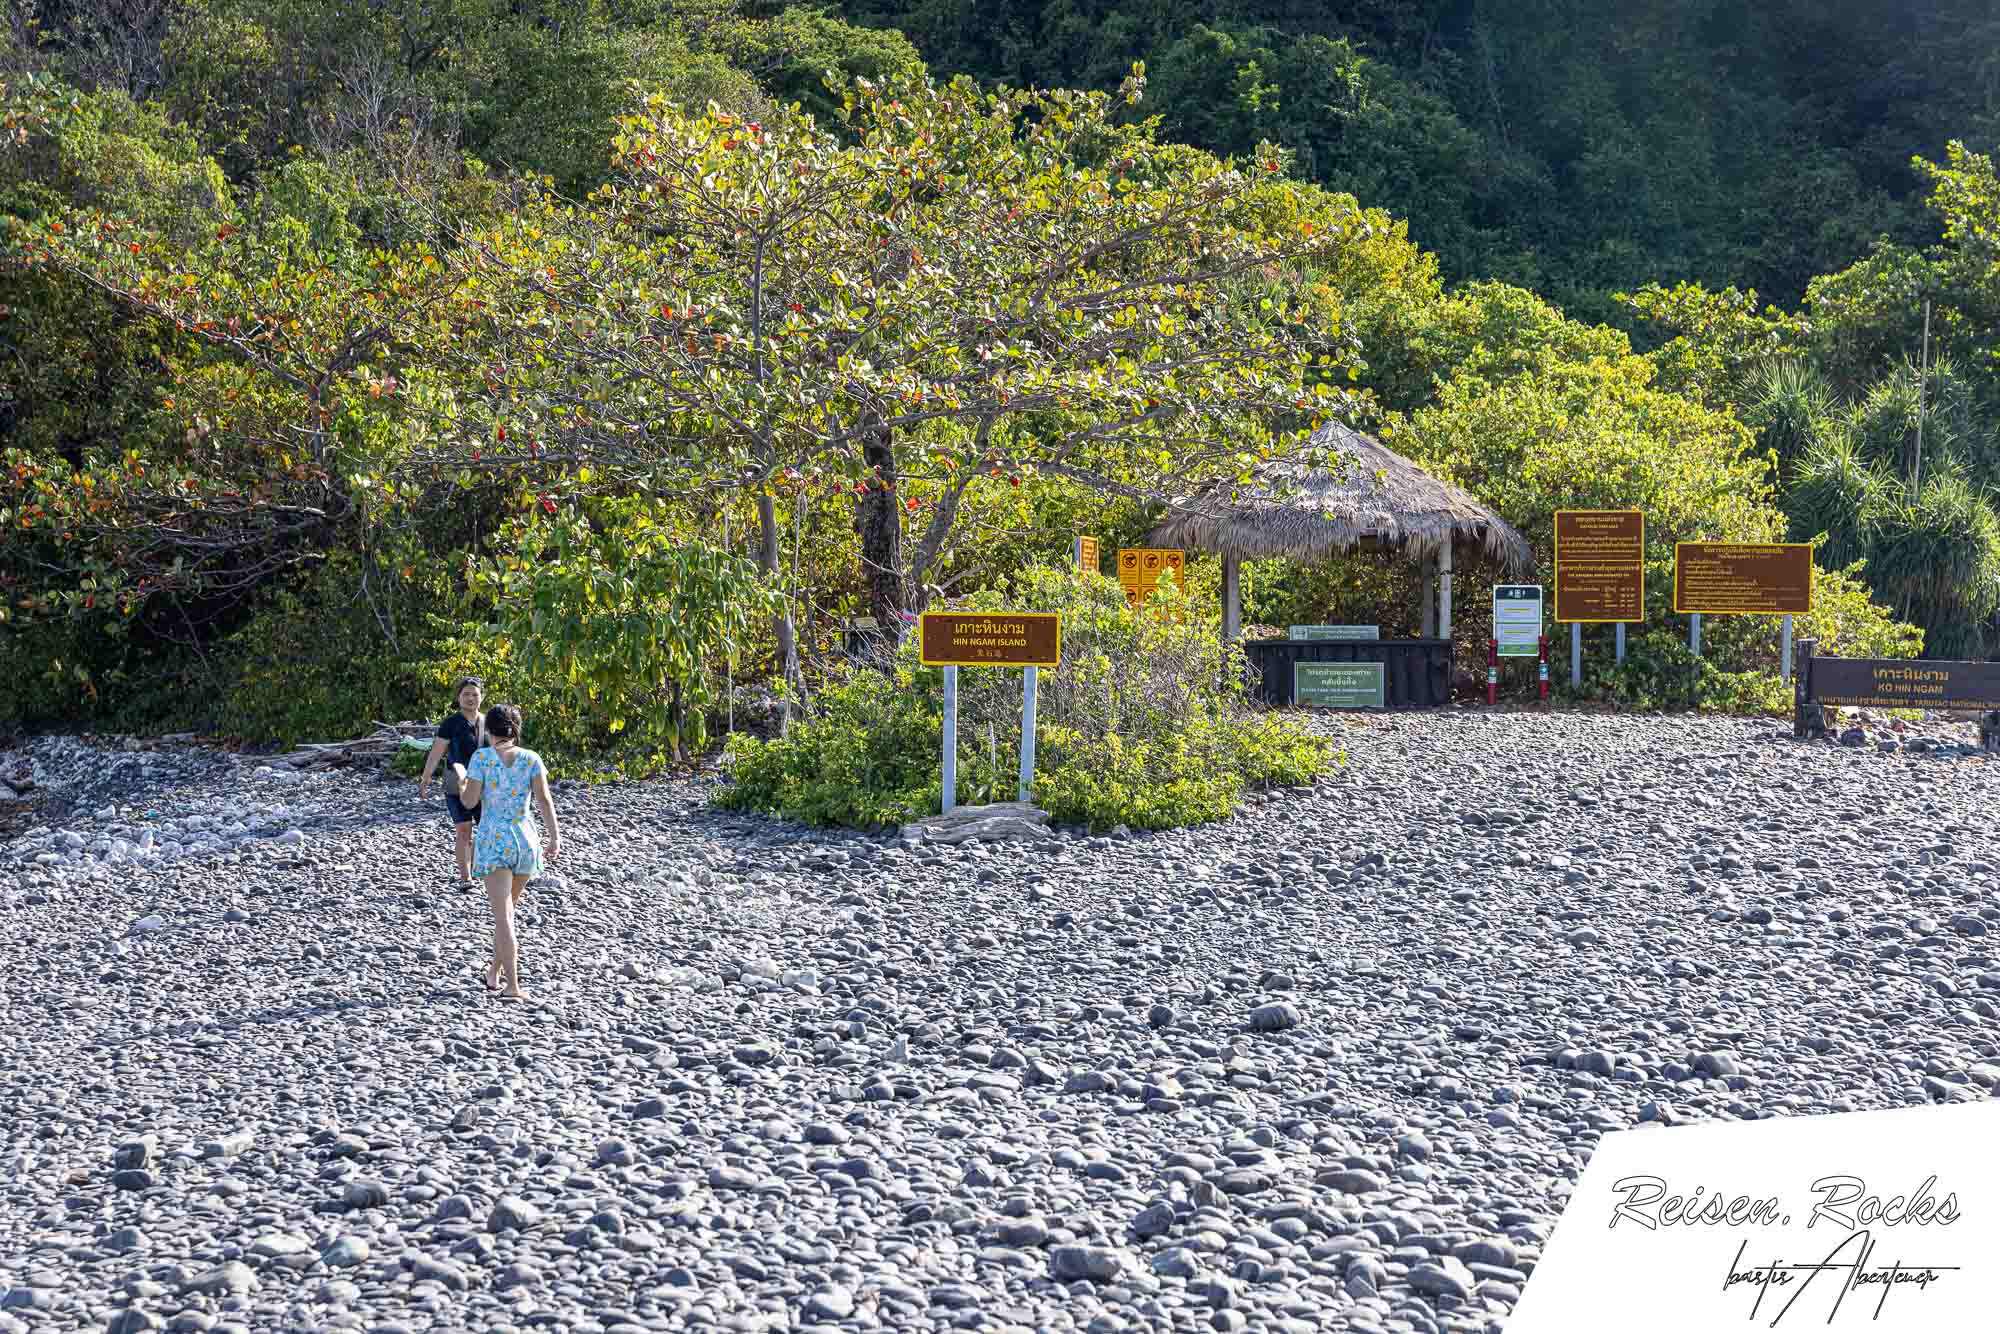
(1028, 682)
(954, 639)
(1600, 575)
(950, 739)
(1742, 579)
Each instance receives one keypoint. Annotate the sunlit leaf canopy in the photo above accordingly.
(1001, 281)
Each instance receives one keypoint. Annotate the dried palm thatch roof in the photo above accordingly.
(1379, 499)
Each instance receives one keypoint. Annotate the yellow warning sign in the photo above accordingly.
(1141, 569)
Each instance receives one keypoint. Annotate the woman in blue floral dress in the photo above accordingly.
(507, 851)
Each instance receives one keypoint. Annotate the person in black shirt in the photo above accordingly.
(459, 737)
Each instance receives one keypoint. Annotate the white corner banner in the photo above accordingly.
(1885, 1221)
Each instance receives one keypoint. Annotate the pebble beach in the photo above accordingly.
(1333, 1064)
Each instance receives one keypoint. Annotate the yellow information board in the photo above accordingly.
(1142, 569)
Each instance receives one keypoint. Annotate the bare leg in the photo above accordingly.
(506, 954)
(464, 833)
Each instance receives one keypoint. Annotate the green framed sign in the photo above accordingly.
(1336, 632)
(1517, 620)
(1338, 685)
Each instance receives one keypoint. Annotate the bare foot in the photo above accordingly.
(493, 976)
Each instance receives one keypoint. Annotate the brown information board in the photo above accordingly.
(990, 639)
(1600, 565)
(1887, 683)
(1743, 578)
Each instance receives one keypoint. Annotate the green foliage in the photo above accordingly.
(245, 341)
(1143, 725)
(1597, 436)
(867, 758)
(318, 661)
(407, 761)
(623, 614)
(1575, 148)
(1845, 622)
(1660, 673)
(1359, 589)
(1738, 671)
(1937, 561)
(792, 53)
(1836, 499)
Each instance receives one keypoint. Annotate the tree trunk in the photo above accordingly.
(767, 560)
(877, 518)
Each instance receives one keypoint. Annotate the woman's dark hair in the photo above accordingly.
(504, 721)
(468, 681)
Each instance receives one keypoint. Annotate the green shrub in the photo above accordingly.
(576, 740)
(868, 756)
(316, 662)
(1937, 561)
(408, 760)
(1738, 671)
(1660, 673)
(623, 609)
(1145, 724)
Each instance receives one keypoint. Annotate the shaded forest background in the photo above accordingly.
(1574, 147)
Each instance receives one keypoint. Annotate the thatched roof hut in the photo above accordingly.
(1382, 501)
(1378, 501)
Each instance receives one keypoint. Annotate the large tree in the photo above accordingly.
(964, 285)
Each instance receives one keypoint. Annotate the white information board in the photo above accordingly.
(1517, 619)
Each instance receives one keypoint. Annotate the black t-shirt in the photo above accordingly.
(462, 736)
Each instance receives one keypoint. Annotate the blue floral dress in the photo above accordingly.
(506, 835)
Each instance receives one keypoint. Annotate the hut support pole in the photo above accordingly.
(1232, 598)
(1428, 629)
(1444, 590)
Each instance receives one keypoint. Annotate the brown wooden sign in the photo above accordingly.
(990, 638)
(1600, 565)
(1743, 578)
(1887, 683)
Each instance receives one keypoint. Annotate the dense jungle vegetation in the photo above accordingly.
(626, 352)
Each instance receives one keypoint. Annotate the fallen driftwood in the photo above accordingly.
(380, 744)
(989, 824)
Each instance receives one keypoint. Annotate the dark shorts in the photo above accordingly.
(460, 815)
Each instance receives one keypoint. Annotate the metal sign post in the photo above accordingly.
(1028, 682)
(950, 738)
(1694, 633)
(1576, 655)
(1785, 649)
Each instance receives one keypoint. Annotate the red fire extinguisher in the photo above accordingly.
(1544, 665)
